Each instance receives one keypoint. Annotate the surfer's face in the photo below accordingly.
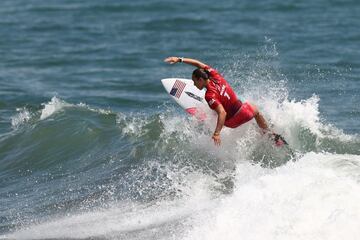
(199, 83)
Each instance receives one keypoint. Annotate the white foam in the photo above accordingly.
(98, 110)
(21, 117)
(290, 117)
(52, 107)
(309, 199)
(56, 104)
(133, 124)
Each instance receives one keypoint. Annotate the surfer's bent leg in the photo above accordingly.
(248, 112)
(260, 120)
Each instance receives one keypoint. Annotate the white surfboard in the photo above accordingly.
(189, 97)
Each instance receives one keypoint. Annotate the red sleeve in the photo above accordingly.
(212, 100)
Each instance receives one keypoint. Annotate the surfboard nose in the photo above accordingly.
(168, 83)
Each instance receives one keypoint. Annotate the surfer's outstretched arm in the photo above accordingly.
(189, 61)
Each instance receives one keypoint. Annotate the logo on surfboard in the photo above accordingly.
(196, 97)
(177, 89)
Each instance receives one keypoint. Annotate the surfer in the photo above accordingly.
(222, 99)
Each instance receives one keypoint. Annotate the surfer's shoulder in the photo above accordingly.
(208, 68)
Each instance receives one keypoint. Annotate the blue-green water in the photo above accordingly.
(91, 146)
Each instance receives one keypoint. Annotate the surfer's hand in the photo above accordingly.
(217, 139)
(172, 60)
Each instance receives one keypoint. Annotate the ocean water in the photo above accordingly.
(92, 147)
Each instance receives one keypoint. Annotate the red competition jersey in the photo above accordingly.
(219, 92)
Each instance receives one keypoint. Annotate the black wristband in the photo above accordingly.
(181, 59)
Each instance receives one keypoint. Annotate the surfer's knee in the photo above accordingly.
(255, 109)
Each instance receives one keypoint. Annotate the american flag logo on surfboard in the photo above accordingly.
(177, 88)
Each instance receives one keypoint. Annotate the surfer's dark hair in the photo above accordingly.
(200, 73)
